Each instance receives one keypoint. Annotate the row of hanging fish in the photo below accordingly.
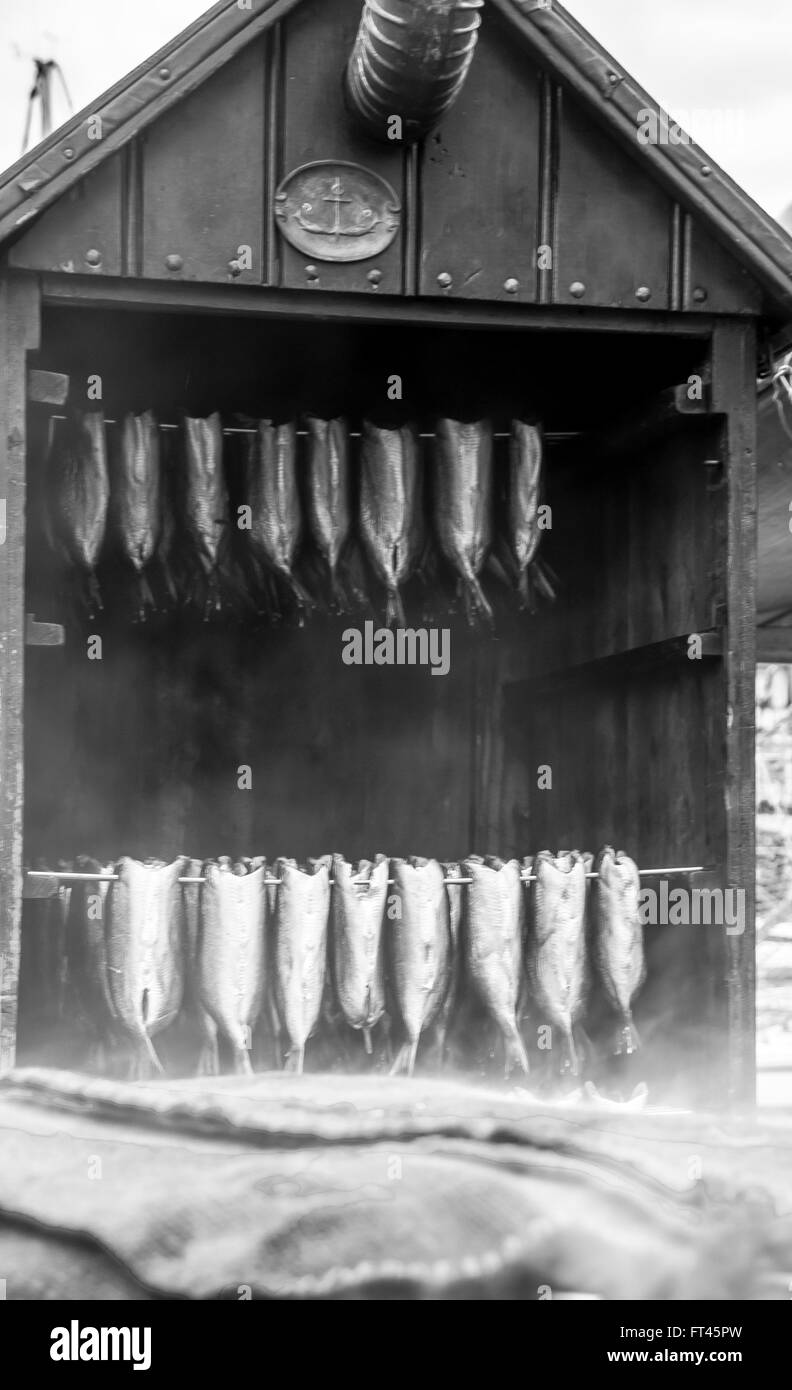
(263, 526)
(397, 943)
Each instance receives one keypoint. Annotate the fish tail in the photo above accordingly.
(208, 1059)
(394, 610)
(627, 1040)
(569, 1056)
(301, 594)
(148, 1053)
(516, 1055)
(295, 1060)
(476, 605)
(405, 1059)
(94, 597)
(525, 590)
(542, 581)
(146, 596)
(367, 1041)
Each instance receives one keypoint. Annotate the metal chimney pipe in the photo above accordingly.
(408, 64)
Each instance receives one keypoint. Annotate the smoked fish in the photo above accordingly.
(329, 494)
(464, 505)
(144, 950)
(421, 951)
(618, 939)
(79, 495)
(273, 496)
(494, 930)
(357, 918)
(233, 953)
(301, 919)
(556, 956)
(391, 521)
(136, 493)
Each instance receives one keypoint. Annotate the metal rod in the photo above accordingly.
(68, 877)
(353, 434)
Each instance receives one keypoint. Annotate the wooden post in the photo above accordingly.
(19, 334)
(734, 394)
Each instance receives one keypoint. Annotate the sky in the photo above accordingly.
(720, 67)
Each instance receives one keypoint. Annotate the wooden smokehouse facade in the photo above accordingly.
(227, 229)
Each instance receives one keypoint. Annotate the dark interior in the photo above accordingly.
(139, 753)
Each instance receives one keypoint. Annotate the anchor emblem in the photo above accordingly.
(335, 211)
(357, 223)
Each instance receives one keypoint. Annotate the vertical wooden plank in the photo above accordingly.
(734, 393)
(714, 282)
(602, 193)
(272, 152)
(19, 334)
(81, 232)
(480, 181)
(316, 125)
(203, 179)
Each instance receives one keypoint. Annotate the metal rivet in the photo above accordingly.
(643, 293)
(511, 286)
(374, 277)
(174, 262)
(699, 294)
(312, 272)
(613, 78)
(705, 171)
(93, 257)
(577, 289)
(68, 153)
(164, 73)
(444, 280)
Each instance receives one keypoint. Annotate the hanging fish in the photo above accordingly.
(421, 950)
(391, 521)
(329, 491)
(303, 908)
(206, 500)
(233, 953)
(86, 960)
(272, 494)
(136, 494)
(618, 939)
(556, 958)
(358, 912)
(526, 469)
(192, 1008)
(464, 503)
(144, 951)
(494, 946)
(79, 495)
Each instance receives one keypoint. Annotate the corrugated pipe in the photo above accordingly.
(408, 64)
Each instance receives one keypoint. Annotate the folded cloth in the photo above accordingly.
(278, 1186)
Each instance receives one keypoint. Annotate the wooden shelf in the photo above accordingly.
(633, 661)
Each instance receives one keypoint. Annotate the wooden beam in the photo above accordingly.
(47, 388)
(630, 662)
(43, 634)
(19, 334)
(734, 394)
(667, 412)
(78, 291)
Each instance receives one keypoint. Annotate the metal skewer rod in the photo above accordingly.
(353, 434)
(69, 877)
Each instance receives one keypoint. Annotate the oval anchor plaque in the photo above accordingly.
(334, 211)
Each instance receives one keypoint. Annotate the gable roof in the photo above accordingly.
(551, 35)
